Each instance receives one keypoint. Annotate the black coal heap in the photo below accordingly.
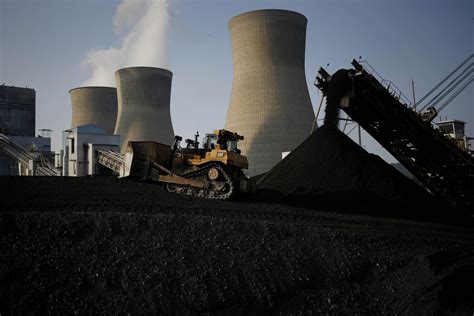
(329, 163)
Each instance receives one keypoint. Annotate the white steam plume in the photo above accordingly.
(145, 44)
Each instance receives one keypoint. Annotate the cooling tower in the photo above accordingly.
(94, 105)
(270, 104)
(144, 105)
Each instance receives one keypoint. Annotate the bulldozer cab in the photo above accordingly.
(220, 147)
(210, 141)
(222, 139)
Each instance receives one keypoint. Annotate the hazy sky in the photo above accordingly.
(44, 42)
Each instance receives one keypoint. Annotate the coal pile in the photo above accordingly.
(99, 245)
(329, 164)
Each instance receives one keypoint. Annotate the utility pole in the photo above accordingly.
(315, 123)
(360, 138)
(413, 89)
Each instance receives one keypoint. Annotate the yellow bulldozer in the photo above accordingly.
(215, 171)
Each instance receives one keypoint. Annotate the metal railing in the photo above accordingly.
(387, 84)
(45, 168)
(46, 171)
(111, 160)
(36, 162)
(15, 151)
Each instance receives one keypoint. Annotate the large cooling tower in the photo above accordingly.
(144, 105)
(270, 104)
(94, 105)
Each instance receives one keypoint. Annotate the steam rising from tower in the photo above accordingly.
(94, 105)
(270, 103)
(144, 26)
(144, 105)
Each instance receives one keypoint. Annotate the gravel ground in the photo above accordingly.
(102, 245)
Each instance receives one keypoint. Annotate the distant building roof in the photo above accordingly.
(449, 122)
(5, 87)
(87, 129)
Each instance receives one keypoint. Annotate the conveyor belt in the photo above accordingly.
(444, 168)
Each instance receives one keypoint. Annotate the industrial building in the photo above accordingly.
(144, 105)
(21, 153)
(17, 111)
(455, 129)
(94, 105)
(80, 150)
(105, 119)
(270, 103)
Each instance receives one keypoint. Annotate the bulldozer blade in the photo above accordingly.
(140, 156)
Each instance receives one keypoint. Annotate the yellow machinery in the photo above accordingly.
(214, 171)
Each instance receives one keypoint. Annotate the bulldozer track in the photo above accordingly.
(203, 192)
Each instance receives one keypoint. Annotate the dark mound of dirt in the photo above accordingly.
(329, 166)
(98, 245)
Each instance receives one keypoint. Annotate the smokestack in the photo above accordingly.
(94, 105)
(270, 104)
(144, 105)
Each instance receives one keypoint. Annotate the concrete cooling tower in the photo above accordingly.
(144, 105)
(270, 104)
(94, 105)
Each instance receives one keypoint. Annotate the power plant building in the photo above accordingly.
(17, 111)
(144, 105)
(17, 154)
(270, 103)
(19, 148)
(80, 146)
(94, 105)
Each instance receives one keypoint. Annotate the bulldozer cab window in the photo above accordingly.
(210, 141)
(231, 145)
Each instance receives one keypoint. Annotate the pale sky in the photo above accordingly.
(43, 42)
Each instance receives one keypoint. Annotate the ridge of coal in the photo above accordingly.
(329, 163)
(111, 246)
